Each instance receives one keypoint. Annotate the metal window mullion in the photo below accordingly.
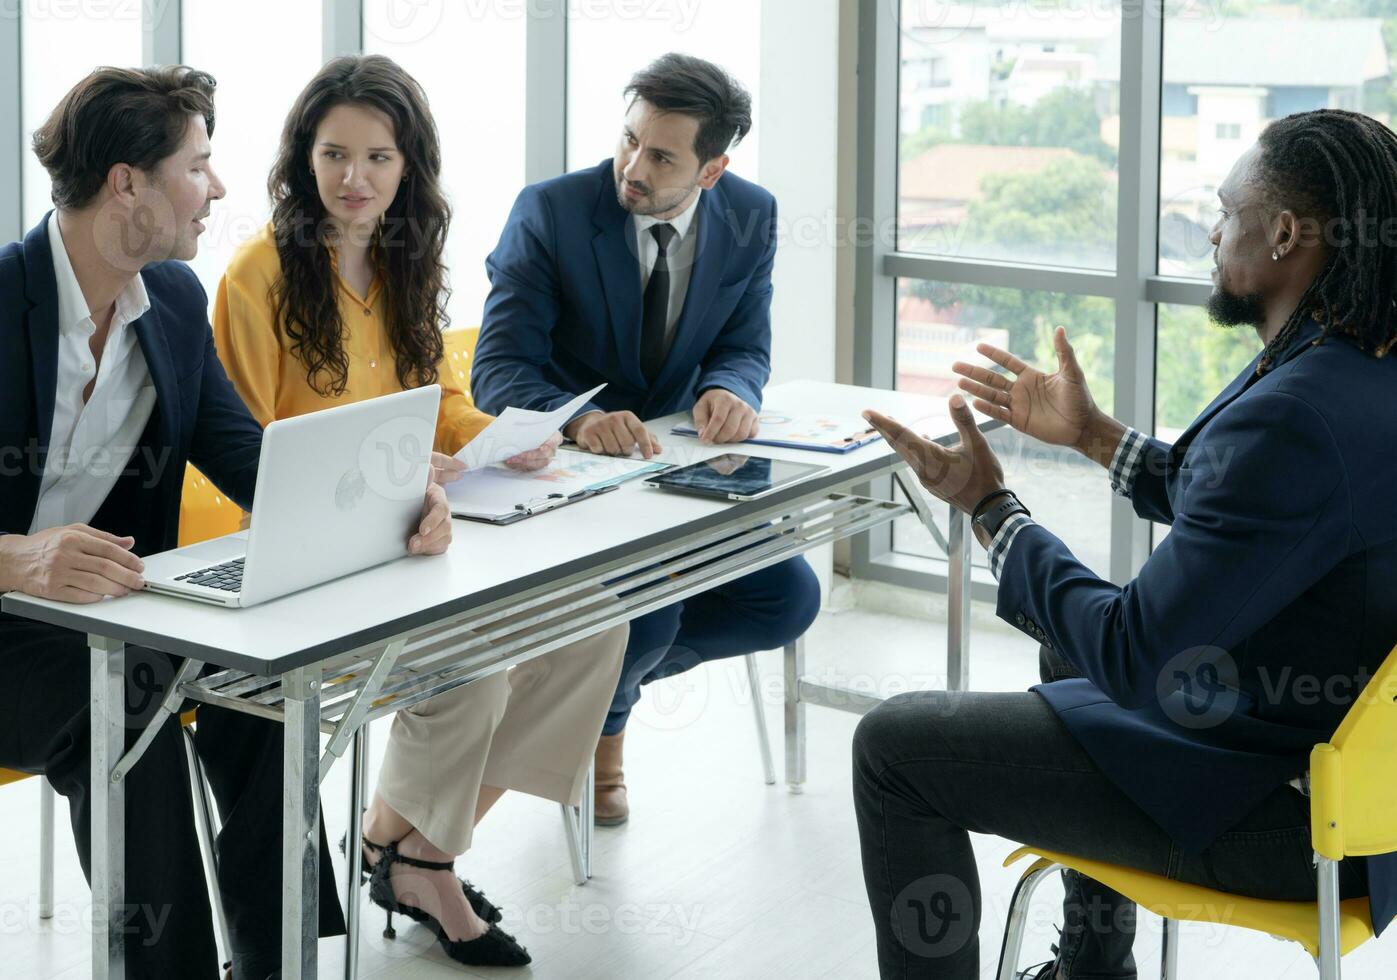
(546, 90)
(1137, 258)
(341, 28)
(162, 40)
(1178, 291)
(1078, 282)
(875, 290)
(12, 126)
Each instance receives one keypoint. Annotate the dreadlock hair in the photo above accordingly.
(1339, 168)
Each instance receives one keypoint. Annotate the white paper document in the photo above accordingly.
(518, 430)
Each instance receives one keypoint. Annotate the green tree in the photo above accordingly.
(1194, 360)
(1064, 117)
(1069, 206)
(1064, 214)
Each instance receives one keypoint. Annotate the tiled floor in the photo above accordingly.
(716, 876)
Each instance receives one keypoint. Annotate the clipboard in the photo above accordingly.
(538, 505)
(498, 495)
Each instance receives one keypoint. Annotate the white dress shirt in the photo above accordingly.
(680, 256)
(90, 444)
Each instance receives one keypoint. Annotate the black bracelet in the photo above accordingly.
(986, 499)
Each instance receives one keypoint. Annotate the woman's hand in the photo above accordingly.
(446, 469)
(536, 459)
(961, 475)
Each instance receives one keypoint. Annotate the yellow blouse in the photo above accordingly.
(272, 380)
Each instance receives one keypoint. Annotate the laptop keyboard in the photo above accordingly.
(227, 576)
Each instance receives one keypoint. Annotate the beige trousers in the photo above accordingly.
(532, 728)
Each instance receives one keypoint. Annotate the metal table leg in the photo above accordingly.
(353, 851)
(958, 604)
(795, 716)
(45, 848)
(107, 663)
(300, 842)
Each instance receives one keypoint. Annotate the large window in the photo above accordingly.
(470, 59)
(608, 42)
(1283, 58)
(252, 103)
(60, 43)
(1195, 359)
(1009, 131)
(1057, 162)
(939, 323)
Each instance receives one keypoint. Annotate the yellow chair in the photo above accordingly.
(203, 813)
(203, 510)
(1353, 813)
(460, 352)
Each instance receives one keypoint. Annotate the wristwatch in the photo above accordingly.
(1003, 506)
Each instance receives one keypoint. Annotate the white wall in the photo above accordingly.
(797, 133)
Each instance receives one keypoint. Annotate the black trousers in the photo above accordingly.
(932, 767)
(167, 922)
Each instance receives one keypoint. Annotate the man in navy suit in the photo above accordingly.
(108, 384)
(1172, 733)
(650, 272)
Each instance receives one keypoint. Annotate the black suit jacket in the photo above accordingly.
(198, 417)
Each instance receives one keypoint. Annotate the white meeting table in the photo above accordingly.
(328, 659)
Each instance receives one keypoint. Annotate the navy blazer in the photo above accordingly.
(198, 416)
(564, 309)
(1250, 630)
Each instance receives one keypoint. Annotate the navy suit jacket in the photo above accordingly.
(564, 309)
(1251, 628)
(198, 416)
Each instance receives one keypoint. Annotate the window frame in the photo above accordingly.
(1135, 285)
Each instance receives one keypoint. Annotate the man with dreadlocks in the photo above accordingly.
(1173, 728)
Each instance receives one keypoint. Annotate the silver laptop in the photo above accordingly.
(338, 491)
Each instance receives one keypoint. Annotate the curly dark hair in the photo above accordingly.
(407, 247)
(1339, 168)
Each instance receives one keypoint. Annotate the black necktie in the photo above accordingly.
(654, 322)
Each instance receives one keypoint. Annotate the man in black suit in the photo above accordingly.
(108, 385)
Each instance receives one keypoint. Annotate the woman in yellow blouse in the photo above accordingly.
(342, 297)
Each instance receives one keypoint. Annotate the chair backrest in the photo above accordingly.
(12, 776)
(203, 510)
(460, 352)
(1353, 801)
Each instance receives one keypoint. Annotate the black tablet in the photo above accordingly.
(734, 476)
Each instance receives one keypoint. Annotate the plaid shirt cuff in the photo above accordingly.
(1003, 538)
(1125, 464)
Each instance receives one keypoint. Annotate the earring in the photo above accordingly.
(1275, 255)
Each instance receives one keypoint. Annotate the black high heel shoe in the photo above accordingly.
(494, 948)
(483, 907)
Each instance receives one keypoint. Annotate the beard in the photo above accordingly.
(1230, 310)
(651, 203)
